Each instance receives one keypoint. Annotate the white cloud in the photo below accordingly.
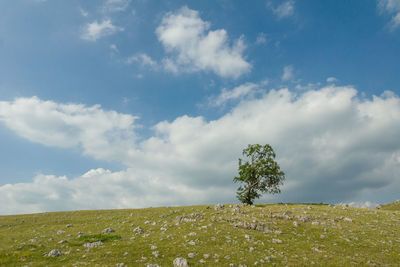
(94, 31)
(391, 7)
(114, 48)
(143, 59)
(287, 73)
(334, 147)
(115, 5)
(238, 92)
(284, 10)
(83, 12)
(195, 48)
(331, 80)
(261, 38)
(101, 134)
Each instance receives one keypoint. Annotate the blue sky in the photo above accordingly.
(145, 103)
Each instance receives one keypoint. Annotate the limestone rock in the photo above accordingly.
(180, 262)
(54, 253)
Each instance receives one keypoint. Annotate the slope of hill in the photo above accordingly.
(218, 235)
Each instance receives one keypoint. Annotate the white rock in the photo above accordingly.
(59, 232)
(296, 224)
(276, 241)
(219, 206)
(316, 250)
(54, 253)
(152, 247)
(93, 244)
(138, 230)
(108, 230)
(120, 264)
(180, 262)
(191, 255)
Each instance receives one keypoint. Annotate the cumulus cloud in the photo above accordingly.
(331, 80)
(193, 47)
(238, 92)
(94, 31)
(101, 134)
(287, 73)
(392, 8)
(143, 59)
(333, 145)
(284, 10)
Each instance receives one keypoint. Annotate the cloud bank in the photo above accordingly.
(333, 145)
(193, 47)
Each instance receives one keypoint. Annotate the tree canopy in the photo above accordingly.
(260, 173)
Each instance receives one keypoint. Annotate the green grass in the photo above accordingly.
(391, 206)
(371, 237)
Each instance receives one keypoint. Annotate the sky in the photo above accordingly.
(136, 103)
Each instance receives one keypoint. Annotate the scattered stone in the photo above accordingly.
(251, 249)
(192, 234)
(378, 207)
(309, 208)
(315, 223)
(156, 254)
(227, 257)
(202, 261)
(69, 225)
(93, 244)
(253, 226)
(316, 250)
(121, 264)
(191, 255)
(54, 253)
(346, 219)
(60, 232)
(276, 241)
(180, 262)
(219, 206)
(138, 230)
(152, 265)
(62, 241)
(108, 230)
(152, 247)
(296, 224)
(206, 256)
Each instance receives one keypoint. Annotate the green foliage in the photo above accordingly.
(99, 237)
(260, 174)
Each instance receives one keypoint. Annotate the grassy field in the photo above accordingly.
(264, 235)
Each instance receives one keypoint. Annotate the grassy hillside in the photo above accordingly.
(270, 234)
(391, 206)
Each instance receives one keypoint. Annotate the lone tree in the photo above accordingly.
(260, 174)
